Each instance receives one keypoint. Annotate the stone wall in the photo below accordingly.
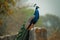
(35, 34)
(38, 33)
(8, 37)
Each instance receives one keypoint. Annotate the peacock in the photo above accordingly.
(35, 18)
(24, 35)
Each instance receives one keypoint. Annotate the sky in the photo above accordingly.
(46, 6)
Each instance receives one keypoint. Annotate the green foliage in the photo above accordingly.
(5, 7)
(4, 11)
(52, 23)
(2, 1)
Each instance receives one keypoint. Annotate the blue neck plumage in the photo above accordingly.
(36, 13)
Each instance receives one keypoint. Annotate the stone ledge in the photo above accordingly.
(8, 37)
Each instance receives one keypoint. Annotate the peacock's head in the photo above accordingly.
(37, 7)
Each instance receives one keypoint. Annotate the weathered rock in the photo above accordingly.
(8, 37)
(38, 33)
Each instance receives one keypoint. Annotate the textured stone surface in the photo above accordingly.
(8, 37)
(35, 34)
(38, 34)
